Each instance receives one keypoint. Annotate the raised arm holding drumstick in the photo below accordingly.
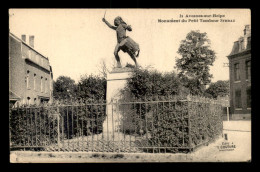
(124, 43)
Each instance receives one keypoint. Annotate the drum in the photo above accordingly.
(130, 45)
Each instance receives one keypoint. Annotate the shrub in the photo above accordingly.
(145, 84)
(177, 122)
(32, 126)
(38, 126)
(82, 119)
(205, 120)
(92, 87)
(89, 87)
(64, 87)
(163, 115)
(219, 88)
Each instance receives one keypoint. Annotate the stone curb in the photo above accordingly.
(29, 156)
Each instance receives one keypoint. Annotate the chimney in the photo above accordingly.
(24, 38)
(31, 40)
(241, 44)
(247, 30)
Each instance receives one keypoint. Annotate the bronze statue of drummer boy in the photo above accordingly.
(124, 43)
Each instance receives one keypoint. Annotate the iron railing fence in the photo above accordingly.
(141, 126)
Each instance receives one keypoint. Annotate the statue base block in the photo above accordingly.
(116, 81)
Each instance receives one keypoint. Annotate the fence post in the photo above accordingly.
(189, 123)
(227, 114)
(58, 117)
(58, 128)
(10, 129)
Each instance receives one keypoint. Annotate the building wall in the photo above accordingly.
(16, 68)
(35, 91)
(23, 58)
(242, 84)
(29, 53)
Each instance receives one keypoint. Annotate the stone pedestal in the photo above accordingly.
(116, 81)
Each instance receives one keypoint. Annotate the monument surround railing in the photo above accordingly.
(153, 126)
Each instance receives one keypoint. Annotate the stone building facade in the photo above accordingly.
(240, 76)
(30, 73)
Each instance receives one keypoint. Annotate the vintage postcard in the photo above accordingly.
(129, 85)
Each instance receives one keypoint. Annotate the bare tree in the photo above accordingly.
(104, 67)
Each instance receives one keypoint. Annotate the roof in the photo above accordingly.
(13, 96)
(243, 44)
(237, 47)
(51, 71)
(27, 44)
(20, 40)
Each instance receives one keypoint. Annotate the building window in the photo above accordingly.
(34, 82)
(41, 84)
(238, 103)
(46, 85)
(35, 101)
(27, 79)
(248, 42)
(237, 72)
(248, 92)
(28, 100)
(248, 69)
(241, 44)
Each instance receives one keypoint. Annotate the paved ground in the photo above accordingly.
(236, 149)
(241, 125)
(238, 135)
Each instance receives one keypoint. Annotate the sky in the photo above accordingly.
(76, 41)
